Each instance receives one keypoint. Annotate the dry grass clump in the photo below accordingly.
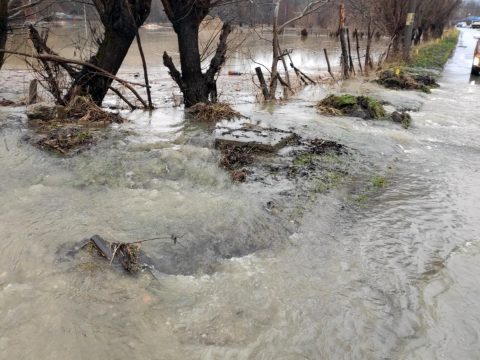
(235, 158)
(213, 112)
(74, 128)
(82, 109)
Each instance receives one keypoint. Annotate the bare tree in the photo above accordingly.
(121, 20)
(364, 11)
(186, 16)
(433, 16)
(279, 55)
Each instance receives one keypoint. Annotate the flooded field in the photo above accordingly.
(384, 266)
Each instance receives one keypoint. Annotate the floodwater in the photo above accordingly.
(358, 273)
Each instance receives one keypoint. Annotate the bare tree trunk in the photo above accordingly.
(196, 86)
(192, 82)
(343, 42)
(358, 52)
(3, 28)
(263, 84)
(119, 34)
(368, 57)
(275, 54)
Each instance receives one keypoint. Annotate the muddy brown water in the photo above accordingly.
(361, 272)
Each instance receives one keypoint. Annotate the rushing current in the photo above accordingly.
(360, 272)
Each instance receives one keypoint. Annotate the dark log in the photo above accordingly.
(263, 84)
(32, 92)
(103, 246)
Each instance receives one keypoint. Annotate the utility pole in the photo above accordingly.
(409, 29)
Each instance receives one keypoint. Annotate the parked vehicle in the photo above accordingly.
(476, 60)
(462, 24)
(476, 25)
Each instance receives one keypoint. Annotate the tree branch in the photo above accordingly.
(172, 70)
(219, 58)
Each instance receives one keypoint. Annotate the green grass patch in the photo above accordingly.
(434, 55)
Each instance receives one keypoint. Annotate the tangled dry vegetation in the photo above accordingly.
(74, 127)
(213, 112)
(234, 159)
(83, 110)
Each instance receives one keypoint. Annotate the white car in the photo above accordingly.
(476, 25)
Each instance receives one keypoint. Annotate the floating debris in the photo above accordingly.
(129, 255)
